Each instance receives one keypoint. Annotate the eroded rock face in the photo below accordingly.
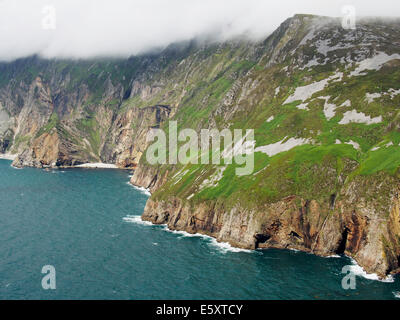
(149, 177)
(346, 209)
(332, 194)
(311, 228)
(46, 131)
(50, 150)
(127, 139)
(44, 152)
(361, 221)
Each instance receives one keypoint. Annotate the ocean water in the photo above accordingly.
(86, 224)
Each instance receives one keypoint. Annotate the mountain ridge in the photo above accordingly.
(333, 91)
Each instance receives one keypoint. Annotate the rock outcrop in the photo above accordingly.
(351, 225)
(322, 102)
(338, 204)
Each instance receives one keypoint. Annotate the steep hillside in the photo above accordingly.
(323, 103)
(101, 110)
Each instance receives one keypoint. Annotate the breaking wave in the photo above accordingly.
(222, 247)
(140, 189)
(359, 271)
(137, 220)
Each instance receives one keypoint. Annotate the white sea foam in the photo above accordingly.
(184, 234)
(226, 247)
(141, 189)
(137, 220)
(333, 256)
(396, 294)
(54, 171)
(223, 247)
(359, 271)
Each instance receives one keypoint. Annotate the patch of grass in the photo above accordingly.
(89, 127)
(52, 123)
(383, 159)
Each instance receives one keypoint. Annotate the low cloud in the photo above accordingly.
(120, 28)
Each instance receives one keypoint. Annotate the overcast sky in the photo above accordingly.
(89, 28)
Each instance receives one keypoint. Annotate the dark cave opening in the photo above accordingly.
(260, 238)
(342, 245)
(294, 234)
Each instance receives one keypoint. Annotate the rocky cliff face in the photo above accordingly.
(52, 114)
(336, 192)
(351, 223)
(102, 110)
(119, 147)
(323, 103)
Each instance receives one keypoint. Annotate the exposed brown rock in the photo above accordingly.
(313, 227)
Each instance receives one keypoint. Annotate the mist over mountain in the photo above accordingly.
(85, 83)
(93, 28)
(322, 100)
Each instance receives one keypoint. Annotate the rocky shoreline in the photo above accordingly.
(359, 270)
(327, 171)
(351, 229)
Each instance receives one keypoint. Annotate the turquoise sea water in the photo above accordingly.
(85, 223)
